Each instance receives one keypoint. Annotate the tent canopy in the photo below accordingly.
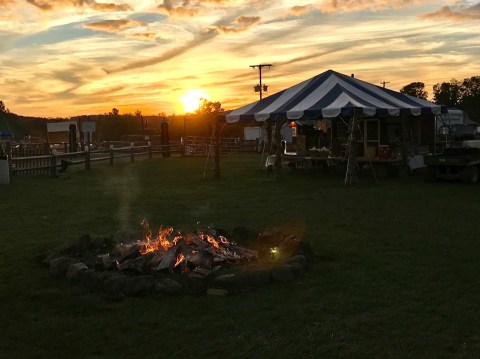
(333, 94)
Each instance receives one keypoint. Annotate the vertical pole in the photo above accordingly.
(182, 146)
(8, 150)
(87, 158)
(277, 166)
(260, 75)
(111, 155)
(216, 173)
(53, 166)
(149, 150)
(132, 152)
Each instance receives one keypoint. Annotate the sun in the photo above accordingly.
(192, 99)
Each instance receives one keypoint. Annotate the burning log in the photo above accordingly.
(168, 260)
(133, 252)
(202, 259)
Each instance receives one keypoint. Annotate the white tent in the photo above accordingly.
(332, 94)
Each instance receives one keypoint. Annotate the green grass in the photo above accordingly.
(396, 272)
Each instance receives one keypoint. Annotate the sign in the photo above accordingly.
(88, 127)
(60, 126)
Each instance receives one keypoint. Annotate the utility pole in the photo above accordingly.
(268, 124)
(384, 83)
(260, 88)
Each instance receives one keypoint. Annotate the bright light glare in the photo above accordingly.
(192, 99)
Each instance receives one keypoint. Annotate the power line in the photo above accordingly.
(260, 88)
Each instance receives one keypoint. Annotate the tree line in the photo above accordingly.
(464, 95)
(112, 125)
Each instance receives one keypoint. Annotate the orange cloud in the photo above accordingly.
(114, 25)
(356, 5)
(48, 5)
(242, 23)
(458, 12)
(301, 10)
(187, 8)
(5, 3)
(144, 35)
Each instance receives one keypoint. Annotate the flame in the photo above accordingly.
(162, 241)
(212, 241)
(223, 240)
(180, 259)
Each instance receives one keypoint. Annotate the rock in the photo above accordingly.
(197, 282)
(258, 278)
(74, 271)
(297, 268)
(113, 286)
(217, 291)
(105, 262)
(52, 254)
(168, 286)
(88, 280)
(136, 286)
(227, 281)
(84, 243)
(59, 266)
(299, 258)
(283, 273)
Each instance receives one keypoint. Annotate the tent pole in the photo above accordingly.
(351, 175)
(277, 166)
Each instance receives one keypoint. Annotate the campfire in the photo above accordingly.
(170, 261)
(170, 250)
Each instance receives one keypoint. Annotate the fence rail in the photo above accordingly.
(45, 159)
(195, 145)
(58, 162)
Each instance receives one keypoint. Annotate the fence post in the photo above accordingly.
(87, 158)
(132, 152)
(53, 166)
(182, 146)
(149, 150)
(8, 150)
(111, 155)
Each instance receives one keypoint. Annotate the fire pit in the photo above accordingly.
(173, 262)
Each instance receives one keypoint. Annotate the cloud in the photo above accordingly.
(330, 6)
(114, 25)
(301, 10)
(240, 24)
(198, 40)
(187, 8)
(5, 3)
(144, 35)
(458, 12)
(49, 5)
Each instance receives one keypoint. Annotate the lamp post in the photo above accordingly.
(261, 88)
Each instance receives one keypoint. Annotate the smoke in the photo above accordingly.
(126, 188)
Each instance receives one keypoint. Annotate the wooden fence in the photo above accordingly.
(57, 162)
(195, 145)
(48, 159)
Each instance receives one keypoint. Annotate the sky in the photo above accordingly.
(62, 58)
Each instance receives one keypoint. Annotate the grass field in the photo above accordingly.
(396, 273)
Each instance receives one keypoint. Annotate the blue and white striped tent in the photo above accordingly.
(332, 94)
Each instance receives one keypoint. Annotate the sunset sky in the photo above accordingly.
(74, 57)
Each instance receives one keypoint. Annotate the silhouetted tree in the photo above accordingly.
(470, 97)
(447, 93)
(415, 89)
(3, 108)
